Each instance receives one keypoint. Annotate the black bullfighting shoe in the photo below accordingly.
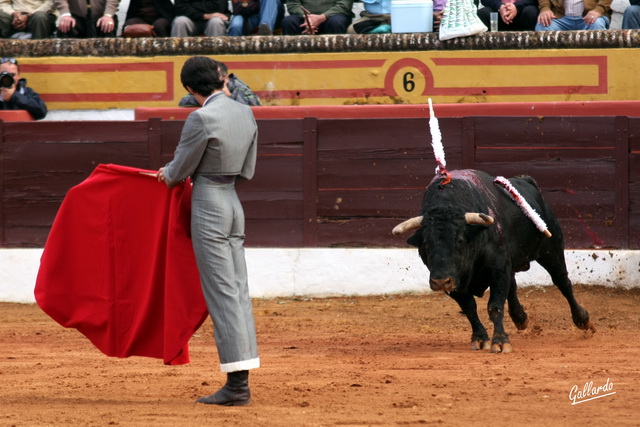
(234, 393)
(226, 397)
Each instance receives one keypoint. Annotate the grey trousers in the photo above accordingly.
(185, 27)
(41, 25)
(217, 232)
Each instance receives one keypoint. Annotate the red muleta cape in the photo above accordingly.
(119, 267)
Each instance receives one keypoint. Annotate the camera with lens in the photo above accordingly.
(6, 79)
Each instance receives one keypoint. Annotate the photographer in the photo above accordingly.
(15, 95)
(233, 87)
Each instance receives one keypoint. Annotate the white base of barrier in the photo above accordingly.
(330, 272)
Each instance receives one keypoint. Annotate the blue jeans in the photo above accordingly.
(573, 23)
(631, 18)
(271, 13)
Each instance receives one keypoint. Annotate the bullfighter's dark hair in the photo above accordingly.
(202, 75)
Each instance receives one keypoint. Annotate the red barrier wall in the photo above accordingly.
(324, 182)
(15, 116)
(593, 108)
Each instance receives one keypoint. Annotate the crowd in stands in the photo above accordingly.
(39, 19)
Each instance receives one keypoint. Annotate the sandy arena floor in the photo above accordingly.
(388, 360)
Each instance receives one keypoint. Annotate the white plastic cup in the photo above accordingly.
(493, 19)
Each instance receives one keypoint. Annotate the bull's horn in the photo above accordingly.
(478, 218)
(408, 225)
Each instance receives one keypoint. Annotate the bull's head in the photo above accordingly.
(448, 242)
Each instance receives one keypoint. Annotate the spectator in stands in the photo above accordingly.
(255, 16)
(34, 19)
(567, 15)
(375, 18)
(631, 16)
(438, 10)
(15, 95)
(196, 17)
(233, 87)
(82, 19)
(519, 15)
(325, 17)
(159, 13)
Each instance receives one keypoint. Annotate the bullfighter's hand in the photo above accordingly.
(161, 175)
(66, 23)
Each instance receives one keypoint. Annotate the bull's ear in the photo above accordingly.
(416, 239)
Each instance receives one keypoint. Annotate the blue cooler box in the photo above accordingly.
(411, 16)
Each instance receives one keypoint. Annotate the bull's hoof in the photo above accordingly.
(504, 347)
(587, 326)
(480, 345)
(590, 327)
(523, 325)
(581, 320)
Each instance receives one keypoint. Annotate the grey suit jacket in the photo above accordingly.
(220, 138)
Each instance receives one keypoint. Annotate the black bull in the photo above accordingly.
(472, 237)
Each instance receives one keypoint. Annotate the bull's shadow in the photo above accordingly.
(472, 236)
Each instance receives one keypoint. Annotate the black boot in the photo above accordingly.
(234, 393)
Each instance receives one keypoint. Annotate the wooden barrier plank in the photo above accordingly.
(359, 232)
(278, 233)
(63, 146)
(170, 137)
(310, 179)
(574, 133)
(271, 204)
(566, 174)
(15, 116)
(26, 237)
(385, 157)
(399, 111)
(622, 181)
(340, 173)
(389, 134)
(376, 232)
(43, 160)
(389, 203)
(634, 135)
